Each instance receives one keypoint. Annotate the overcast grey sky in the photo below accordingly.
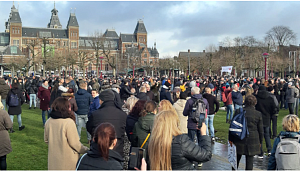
(175, 26)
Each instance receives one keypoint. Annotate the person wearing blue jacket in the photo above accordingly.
(290, 125)
(165, 94)
(96, 102)
(83, 101)
(237, 97)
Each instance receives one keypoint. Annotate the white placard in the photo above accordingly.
(227, 69)
(232, 155)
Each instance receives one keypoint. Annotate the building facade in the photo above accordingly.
(42, 47)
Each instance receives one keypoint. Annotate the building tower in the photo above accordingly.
(14, 27)
(73, 32)
(54, 21)
(141, 33)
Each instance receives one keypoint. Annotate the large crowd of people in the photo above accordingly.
(155, 114)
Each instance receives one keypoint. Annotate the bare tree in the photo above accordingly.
(31, 46)
(280, 36)
(96, 42)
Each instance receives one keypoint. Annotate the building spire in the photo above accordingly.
(54, 4)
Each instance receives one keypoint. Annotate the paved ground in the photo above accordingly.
(219, 160)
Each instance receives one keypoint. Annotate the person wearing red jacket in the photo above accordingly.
(44, 96)
(227, 99)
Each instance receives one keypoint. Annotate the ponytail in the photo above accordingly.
(105, 135)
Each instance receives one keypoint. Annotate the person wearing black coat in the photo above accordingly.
(93, 160)
(15, 110)
(142, 94)
(116, 89)
(108, 112)
(165, 94)
(267, 107)
(250, 145)
(125, 91)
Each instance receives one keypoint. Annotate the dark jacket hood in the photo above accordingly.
(57, 115)
(263, 94)
(15, 90)
(81, 91)
(95, 153)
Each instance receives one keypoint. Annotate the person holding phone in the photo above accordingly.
(101, 156)
(169, 149)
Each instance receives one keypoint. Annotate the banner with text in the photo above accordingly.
(227, 69)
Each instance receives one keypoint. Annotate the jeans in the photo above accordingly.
(237, 107)
(19, 119)
(296, 106)
(44, 116)
(81, 121)
(192, 133)
(32, 98)
(249, 162)
(4, 103)
(209, 122)
(3, 165)
(291, 109)
(229, 111)
(274, 126)
(267, 139)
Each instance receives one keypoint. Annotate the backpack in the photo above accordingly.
(199, 107)
(13, 100)
(238, 126)
(287, 153)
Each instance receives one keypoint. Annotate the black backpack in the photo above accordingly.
(199, 107)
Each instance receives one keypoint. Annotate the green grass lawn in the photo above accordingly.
(30, 151)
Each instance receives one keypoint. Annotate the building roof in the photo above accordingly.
(4, 39)
(86, 43)
(54, 21)
(110, 33)
(10, 50)
(44, 32)
(72, 21)
(128, 38)
(153, 52)
(140, 27)
(14, 16)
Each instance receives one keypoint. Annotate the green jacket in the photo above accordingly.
(141, 130)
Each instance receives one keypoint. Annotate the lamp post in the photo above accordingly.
(266, 55)
(133, 69)
(189, 62)
(101, 58)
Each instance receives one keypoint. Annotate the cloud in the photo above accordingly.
(174, 25)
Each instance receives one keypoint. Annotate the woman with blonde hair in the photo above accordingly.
(169, 149)
(130, 102)
(165, 105)
(290, 125)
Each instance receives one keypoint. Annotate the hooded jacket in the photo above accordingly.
(237, 97)
(290, 94)
(272, 160)
(266, 105)
(188, 108)
(94, 161)
(44, 96)
(83, 101)
(95, 105)
(141, 130)
(108, 112)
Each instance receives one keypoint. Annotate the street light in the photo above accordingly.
(266, 55)
(189, 62)
(101, 58)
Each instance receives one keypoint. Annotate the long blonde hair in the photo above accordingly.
(166, 105)
(165, 126)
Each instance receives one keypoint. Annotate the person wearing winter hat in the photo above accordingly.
(108, 112)
(165, 94)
